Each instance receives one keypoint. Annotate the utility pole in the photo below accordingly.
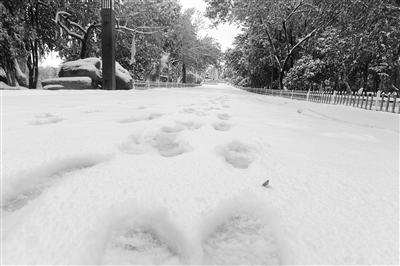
(108, 44)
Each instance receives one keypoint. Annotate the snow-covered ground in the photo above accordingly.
(174, 176)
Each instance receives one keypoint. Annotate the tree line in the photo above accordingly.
(167, 41)
(306, 44)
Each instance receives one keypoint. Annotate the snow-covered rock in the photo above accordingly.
(92, 67)
(123, 79)
(69, 83)
(88, 67)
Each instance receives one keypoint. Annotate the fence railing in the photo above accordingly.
(385, 102)
(145, 85)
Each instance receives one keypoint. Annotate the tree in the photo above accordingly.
(188, 50)
(283, 25)
(27, 31)
(356, 41)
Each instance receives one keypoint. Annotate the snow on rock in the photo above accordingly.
(162, 177)
(88, 67)
(92, 67)
(69, 83)
(123, 79)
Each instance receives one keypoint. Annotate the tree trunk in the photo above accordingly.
(84, 47)
(281, 73)
(30, 71)
(272, 78)
(33, 64)
(19, 75)
(10, 74)
(183, 73)
(376, 82)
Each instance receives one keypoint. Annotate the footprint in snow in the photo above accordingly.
(224, 116)
(150, 116)
(166, 141)
(27, 185)
(241, 232)
(201, 113)
(190, 124)
(169, 145)
(222, 126)
(172, 129)
(91, 111)
(142, 240)
(46, 118)
(237, 153)
(242, 239)
(188, 110)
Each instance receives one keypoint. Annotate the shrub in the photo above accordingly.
(306, 72)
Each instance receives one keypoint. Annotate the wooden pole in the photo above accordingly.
(108, 44)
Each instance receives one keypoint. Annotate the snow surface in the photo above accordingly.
(174, 176)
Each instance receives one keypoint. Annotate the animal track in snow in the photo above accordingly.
(237, 153)
(243, 239)
(168, 144)
(222, 126)
(27, 185)
(150, 116)
(46, 118)
(224, 116)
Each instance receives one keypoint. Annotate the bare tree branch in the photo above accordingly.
(271, 43)
(294, 10)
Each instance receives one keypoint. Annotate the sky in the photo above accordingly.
(224, 33)
(175, 176)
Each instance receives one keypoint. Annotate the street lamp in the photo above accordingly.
(108, 43)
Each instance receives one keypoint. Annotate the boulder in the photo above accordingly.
(54, 87)
(88, 67)
(123, 79)
(92, 67)
(69, 83)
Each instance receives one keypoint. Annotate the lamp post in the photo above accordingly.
(108, 43)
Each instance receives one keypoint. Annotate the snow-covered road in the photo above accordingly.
(174, 176)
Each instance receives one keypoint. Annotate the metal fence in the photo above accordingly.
(145, 85)
(385, 102)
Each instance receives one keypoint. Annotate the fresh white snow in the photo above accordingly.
(174, 176)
